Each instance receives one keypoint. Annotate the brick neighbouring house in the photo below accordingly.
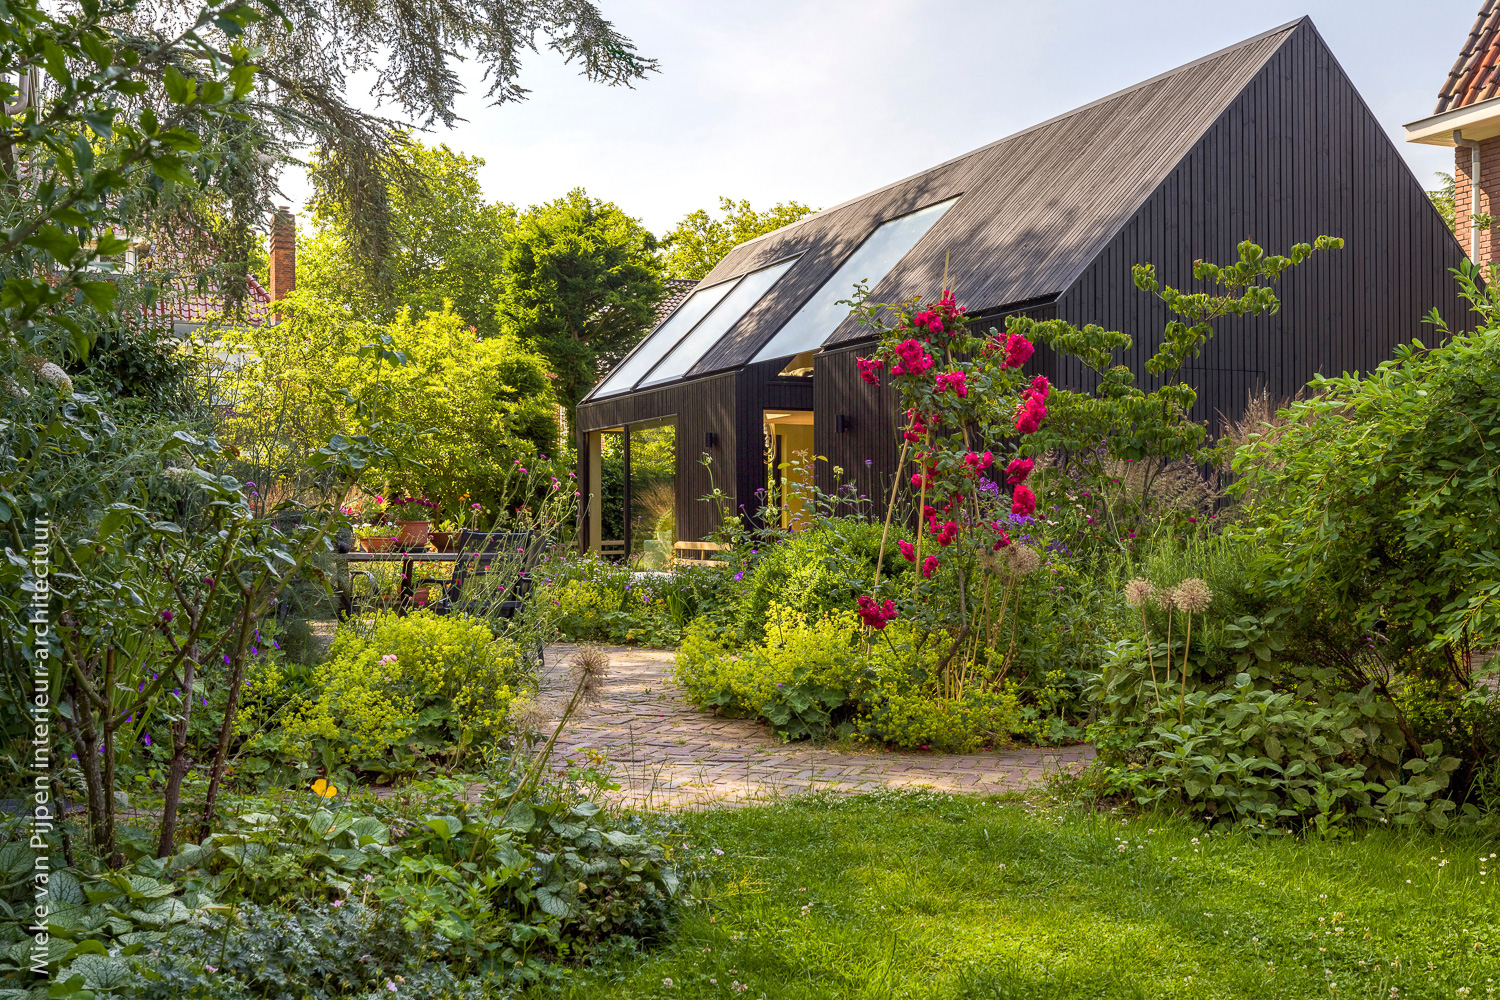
(190, 309)
(1467, 118)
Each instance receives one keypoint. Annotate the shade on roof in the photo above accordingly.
(1031, 212)
(1475, 76)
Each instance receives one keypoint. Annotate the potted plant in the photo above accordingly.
(445, 538)
(374, 538)
(411, 517)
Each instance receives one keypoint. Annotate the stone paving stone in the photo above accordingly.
(669, 755)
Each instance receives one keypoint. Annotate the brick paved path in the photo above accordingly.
(667, 754)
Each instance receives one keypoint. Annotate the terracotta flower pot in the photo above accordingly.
(445, 541)
(421, 596)
(413, 534)
(376, 543)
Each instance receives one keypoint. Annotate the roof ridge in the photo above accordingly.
(1287, 28)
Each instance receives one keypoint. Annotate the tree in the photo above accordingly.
(581, 286)
(700, 241)
(1442, 197)
(447, 244)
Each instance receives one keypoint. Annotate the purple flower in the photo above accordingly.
(148, 741)
(166, 616)
(739, 575)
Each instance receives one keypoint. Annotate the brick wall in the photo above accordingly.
(284, 253)
(1489, 199)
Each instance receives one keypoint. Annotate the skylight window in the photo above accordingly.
(665, 338)
(872, 261)
(713, 327)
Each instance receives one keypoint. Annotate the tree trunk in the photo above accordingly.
(226, 732)
(178, 768)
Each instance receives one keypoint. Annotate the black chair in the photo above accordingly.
(507, 556)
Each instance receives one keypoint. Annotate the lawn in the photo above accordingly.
(932, 896)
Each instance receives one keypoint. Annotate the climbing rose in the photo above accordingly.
(954, 381)
(1017, 350)
(1039, 387)
(977, 462)
(917, 428)
(1002, 539)
(930, 320)
(1017, 471)
(1022, 501)
(907, 550)
(914, 359)
(1029, 416)
(869, 368)
(929, 565)
(876, 615)
(946, 533)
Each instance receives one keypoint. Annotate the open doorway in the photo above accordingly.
(789, 465)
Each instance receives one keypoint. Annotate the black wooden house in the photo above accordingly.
(1266, 140)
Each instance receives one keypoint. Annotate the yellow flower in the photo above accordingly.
(323, 788)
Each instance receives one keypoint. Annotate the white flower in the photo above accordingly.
(666, 982)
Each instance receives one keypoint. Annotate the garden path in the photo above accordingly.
(669, 755)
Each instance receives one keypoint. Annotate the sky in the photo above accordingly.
(823, 100)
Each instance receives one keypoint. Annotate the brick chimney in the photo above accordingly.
(283, 253)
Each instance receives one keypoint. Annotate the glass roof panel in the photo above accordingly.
(872, 261)
(664, 339)
(707, 333)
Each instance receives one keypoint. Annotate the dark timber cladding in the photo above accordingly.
(1266, 140)
(701, 406)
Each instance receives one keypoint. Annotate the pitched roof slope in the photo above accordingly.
(1475, 76)
(1037, 206)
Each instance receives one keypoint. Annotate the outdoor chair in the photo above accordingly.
(507, 558)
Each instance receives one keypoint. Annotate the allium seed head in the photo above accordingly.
(1023, 559)
(590, 667)
(1139, 592)
(1193, 595)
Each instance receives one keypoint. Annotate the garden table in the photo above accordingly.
(408, 560)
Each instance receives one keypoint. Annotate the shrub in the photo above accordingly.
(817, 679)
(814, 571)
(593, 600)
(442, 679)
(799, 679)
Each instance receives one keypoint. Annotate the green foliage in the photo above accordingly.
(1130, 422)
(589, 599)
(818, 678)
(447, 245)
(1442, 197)
(811, 573)
(799, 679)
(439, 683)
(485, 408)
(1379, 494)
(700, 241)
(582, 281)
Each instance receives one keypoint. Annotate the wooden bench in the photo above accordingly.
(612, 549)
(698, 554)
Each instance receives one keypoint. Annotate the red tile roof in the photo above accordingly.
(1476, 75)
(678, 289)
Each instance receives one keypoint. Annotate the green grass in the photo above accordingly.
(949, 897)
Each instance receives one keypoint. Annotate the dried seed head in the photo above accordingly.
(529, 717)
(590, 667)
(1193, 595)
(1166, 599)
(1139, 592)
(1023, 559)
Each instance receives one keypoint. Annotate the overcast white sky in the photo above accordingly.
(821, 101)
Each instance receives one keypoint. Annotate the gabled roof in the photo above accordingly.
(1036, 207)
(1476, 75)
